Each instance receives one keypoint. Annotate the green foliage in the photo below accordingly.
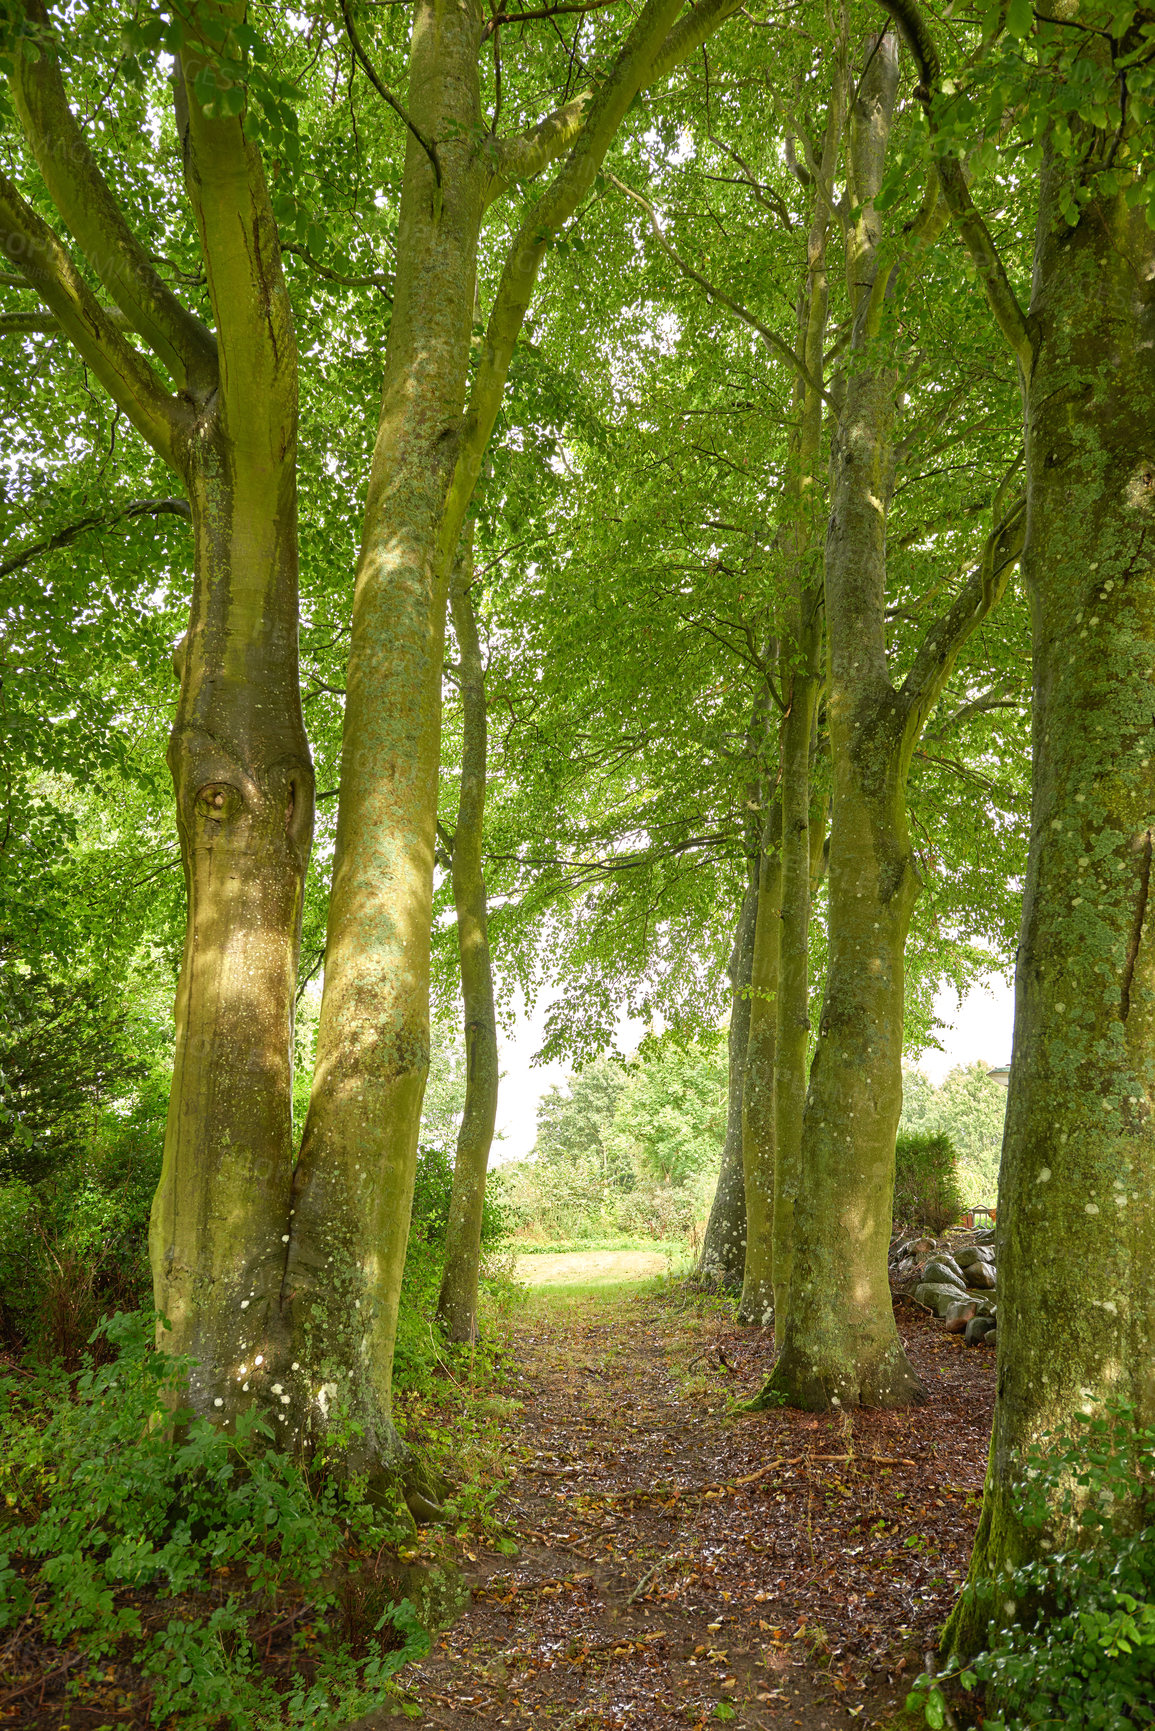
(105, 1503)
(969, 1107)
(1074, 1634)
(926, 1188)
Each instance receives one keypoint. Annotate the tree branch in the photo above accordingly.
(520, 158)
(385, 93)
(384, 283)
(975, 234)
(939, 649)
(84, 526)
(500, 18)
(27, 243)
(183, 345)
(771, 338)
(240, 245)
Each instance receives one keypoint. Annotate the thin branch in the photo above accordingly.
(85, 525)
(770, 338)
(427, 145)
(384, 283)
(494, 24)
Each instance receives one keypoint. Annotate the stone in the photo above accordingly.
(937, 1296)
(980, 1277)
(978, 1328)
(959, 1315)
(944, 1268)
(967, 1255)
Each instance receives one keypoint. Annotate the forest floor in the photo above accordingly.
(681, 1563)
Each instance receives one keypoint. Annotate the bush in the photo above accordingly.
(926, 1186)
(107, 1519)
(1080, 1650)
(74, 1245)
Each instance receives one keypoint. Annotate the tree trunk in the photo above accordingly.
(238, 752)
(1077, 1183)
(353, 1185)
(756, 1306)
(723, 1257)
(840, 1345)
(457, 1304)
(244, 794)
(800, 681)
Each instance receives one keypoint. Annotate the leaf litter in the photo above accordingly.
(682, 1563)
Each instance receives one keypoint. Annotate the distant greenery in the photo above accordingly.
(969, 1108)
(624, 1149)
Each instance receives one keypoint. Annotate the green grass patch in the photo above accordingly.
(565, 1246)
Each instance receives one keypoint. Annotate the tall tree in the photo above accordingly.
(840, 1345)
(354, 1178)
(225, 421)
(1075, 1185)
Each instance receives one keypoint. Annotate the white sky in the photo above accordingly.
(978, 1027)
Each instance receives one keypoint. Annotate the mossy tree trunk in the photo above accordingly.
(800, 684)
(723, 1257)
(238, 753)
(354, 1180)
(840, 1346)
(457, 1302)
(1077, 1180)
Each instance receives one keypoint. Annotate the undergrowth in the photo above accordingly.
(179, 1550)
(1073, 1635)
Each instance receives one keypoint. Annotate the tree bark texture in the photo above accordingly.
(457, 1302)
(723, 1257)
(1077, 1183)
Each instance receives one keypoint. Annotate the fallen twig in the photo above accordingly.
(670, 1557)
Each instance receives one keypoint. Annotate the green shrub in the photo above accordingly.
(926, 1186)
(1076, 1646)
(104, 1508)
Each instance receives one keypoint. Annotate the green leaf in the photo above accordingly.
(1020, 17)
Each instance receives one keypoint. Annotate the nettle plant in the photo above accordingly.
(1072, 1638)
(118, 1504)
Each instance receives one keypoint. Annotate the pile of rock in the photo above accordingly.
(952, 1282)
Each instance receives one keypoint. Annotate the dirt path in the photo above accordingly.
(589, 1267)
(652, 1589)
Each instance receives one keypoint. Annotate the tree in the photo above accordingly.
(457, 1303)
(839, 1345)
(354, 1177)
(1075, 1190)
(225, 422)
